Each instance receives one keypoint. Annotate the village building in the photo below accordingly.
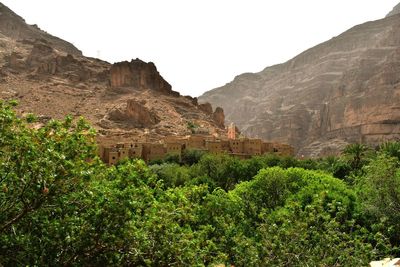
(214, 146)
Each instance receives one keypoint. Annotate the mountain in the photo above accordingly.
(342, 91)
(15, 27)
(50, 77)
(395, 11)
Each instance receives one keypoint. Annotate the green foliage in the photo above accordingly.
(392, 149)
(38, 166)
(191, 156)
(192, 126)
(338, 167)
(172, 174)
(224, 170)
(60, 206)
(379, 192)
(356, 155)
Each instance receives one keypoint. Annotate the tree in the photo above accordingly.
(379, 193)
(39, 165)
(391, 149)
(356, 154)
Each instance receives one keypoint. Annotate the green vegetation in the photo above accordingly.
(59, 205)
(192, 126)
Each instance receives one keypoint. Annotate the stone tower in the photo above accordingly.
(232, 131)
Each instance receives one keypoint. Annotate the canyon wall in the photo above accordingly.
(342, 91)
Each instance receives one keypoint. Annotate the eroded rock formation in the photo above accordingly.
(134, 113)
(139, 75)
(43, 59)
(219, 117)
(341, 91)
(206, 107)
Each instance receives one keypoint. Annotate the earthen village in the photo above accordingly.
(175, 145)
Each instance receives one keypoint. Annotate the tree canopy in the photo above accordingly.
(60, 205)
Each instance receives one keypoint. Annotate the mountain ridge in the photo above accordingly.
(395, 11)
(51, 78)
(308, 100)
(14, 26)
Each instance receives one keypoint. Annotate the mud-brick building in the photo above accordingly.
(214, 146)
(252, 146)
(153, 151)
(267, 147)
(236, 146)
(112, 154)
(174, 149)
(199, 141)
(283, 149)
(136, 150)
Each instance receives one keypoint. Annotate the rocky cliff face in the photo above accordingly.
(140, 75)
(51, 78)
(344, 90)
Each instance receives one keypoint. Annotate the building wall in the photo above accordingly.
(113, 157)
(236, 146)
(267, 147)
(196, 142)
(225, 146)
(283, 150)
(123, 153)
(173, 149)
(175, 139)
(153, 151)
(214, 147)
(252, 146)
(136, 151)
(106, 154)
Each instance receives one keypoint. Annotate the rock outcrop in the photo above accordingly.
(219, 117)
(45, 60)
(206, 107)
(139, 75)
(342, 91)
(135, 113)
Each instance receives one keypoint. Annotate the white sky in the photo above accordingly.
(198, 45)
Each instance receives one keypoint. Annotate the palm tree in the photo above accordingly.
(356, 154)
(391, 149)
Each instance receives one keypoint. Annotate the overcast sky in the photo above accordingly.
(198, 45)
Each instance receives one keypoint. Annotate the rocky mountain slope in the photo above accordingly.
(51, 78)
(395, 11)
(344, 90)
